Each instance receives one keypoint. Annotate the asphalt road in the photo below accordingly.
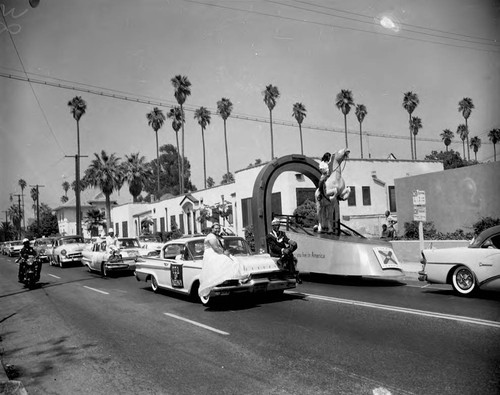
(80, 333)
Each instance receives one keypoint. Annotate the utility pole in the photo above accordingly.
(77, 189)
(37, 205)
(6, 224)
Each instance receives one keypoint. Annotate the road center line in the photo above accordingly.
(97, 290)
(197, 324)
(48, 274)
(469, 320)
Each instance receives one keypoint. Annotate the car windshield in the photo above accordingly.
(150, 239)
(129, 243)
(42, 242)
(72, 240)
(237, 246)
(16, 243)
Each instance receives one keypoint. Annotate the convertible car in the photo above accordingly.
(179, 266)
(97, 258)
(467, 269)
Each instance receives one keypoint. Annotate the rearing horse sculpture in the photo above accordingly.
(334, 190)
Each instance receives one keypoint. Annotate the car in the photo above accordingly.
(65, 250)
(152, 244)
(15, 247)
(97, 258)
(4, 247)
(42, 246)
(179, 266)
(467, 269)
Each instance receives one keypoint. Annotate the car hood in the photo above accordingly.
(72, 247)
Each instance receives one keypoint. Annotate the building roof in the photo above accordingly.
(91, 196)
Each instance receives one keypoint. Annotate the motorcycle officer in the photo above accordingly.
(25, 252)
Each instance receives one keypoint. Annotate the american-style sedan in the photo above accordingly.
(179, 266)
(66, 249)
(43, 246)
(98, 259)
(15, 248)
(467, 269)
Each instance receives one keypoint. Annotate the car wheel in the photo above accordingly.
(205, 300)
(154, 284)
(463, 281)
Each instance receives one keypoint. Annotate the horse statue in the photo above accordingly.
(334, 190)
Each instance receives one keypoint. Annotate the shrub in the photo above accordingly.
(250, 237)
(305, 214)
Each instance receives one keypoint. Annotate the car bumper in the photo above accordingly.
(254, 286)
(118, 267)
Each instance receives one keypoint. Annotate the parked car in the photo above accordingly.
(97, 258)
(152, 244)
(467, 269)
(43, 246)
(66, 249)
(179, 265)
(4, 247)
(15, 248)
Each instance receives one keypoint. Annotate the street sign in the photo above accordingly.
(418, 198)
(419, 211)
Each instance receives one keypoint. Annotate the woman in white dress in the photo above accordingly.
(218, 265)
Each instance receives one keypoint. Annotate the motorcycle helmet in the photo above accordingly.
(26, 241)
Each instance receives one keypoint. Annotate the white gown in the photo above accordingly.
(216, 267)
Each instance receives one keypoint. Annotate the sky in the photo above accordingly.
(442, 50)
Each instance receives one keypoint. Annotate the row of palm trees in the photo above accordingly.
(475, 142)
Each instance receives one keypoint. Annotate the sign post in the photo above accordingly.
(419, 214)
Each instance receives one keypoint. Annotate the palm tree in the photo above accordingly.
(135, 171)
(177, 117)
(344, 101)
(224, 109)
(494, 136)
(65, 185)
(361, 113)
(446, 136)
(23, 185)
(78, 108)
(203, 116)
(105, 173)
(464, 134)
(15, 214)
(64, 199)
(475, 144)
(410, 102)
(465, 106)
(34, 197)
(182, 91)
(299, 112)
(271, 94)
(416, 125)
(156, 118)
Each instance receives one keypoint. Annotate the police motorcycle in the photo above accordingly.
(29, 274)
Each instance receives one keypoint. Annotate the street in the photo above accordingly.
(81, 333)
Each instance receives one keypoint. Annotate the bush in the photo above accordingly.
(250, 237)
(305, 214)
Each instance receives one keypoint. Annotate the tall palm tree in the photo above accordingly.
(464, 135)
(23, 185)
(494, 136)
(475, 144)
(177, 117)
(361, 113)
(156, 118)
(271, 95)
(105, 173)
(203, 116)
(465, 106)
(65, 185)
(135, 171)
(78, 108)
(299, 112)
(410, 102)
(182, 88)
(416, 125)
(446, 136)
(344, 101)
(224, 109)
(15, 214)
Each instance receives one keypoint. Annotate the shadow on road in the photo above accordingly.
(356, 281)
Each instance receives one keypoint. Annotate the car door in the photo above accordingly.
(488, 259)
(171, 251)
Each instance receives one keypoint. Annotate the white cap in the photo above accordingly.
(275, 221)
(111, 230)
(25, 240)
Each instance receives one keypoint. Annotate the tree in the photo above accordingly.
(105, 173)
(410, 102)
(16, 215)
(299, 112)
(271, 95)
(210, 182)
(156, 118)
(65, 185)
(136, 171)
(450, 159)
(34, 197)
(344, 101)
(64, 199)
(93, 220)
(464, 134)
(475, 144)
(23, 185)
(8, 231)
(78, 108)
(177, 117)
(227, 178)
(182, 88)
(47, 225)
(361, 113)
(494, 136)
(465, 106)
(224, 109)
(446, 136)
(203, 116)
(416, 125)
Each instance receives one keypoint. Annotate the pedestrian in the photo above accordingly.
(385, 232)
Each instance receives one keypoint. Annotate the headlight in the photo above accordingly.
(63, 252)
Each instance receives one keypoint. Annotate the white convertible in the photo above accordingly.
(97, 258)
(179, 266)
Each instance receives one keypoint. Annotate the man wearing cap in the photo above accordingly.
(111, 241)
(25, 252)
(280, 246)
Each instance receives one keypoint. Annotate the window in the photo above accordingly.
(246, 211)
(351, 200)
(124, 229)
(173, 224)
(392, 199)
(181, 223)
(304, 194)
(172, 250)
(162, 224)
(276, 203)
(188, 219)
(367, 200)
